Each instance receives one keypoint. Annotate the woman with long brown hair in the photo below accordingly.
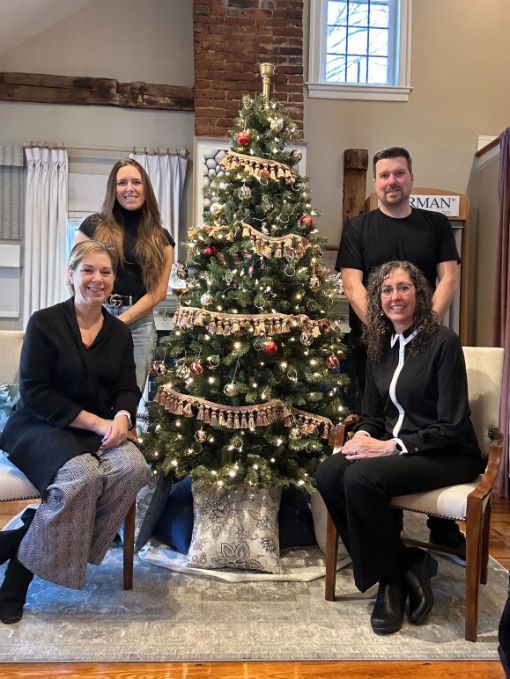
(130, 224)
(414, 435)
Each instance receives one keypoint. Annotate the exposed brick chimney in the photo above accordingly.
(231, 39)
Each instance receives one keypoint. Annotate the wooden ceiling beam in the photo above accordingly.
(84, 91)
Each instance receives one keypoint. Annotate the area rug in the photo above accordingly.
(172, 616)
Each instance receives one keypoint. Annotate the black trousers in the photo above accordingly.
(358, 497)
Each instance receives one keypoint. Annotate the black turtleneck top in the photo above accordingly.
(129, 280)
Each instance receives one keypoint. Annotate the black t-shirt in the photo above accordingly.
(128, 280)
(424, 238)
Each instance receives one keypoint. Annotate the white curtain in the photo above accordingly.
(168, 175)
(45, 228)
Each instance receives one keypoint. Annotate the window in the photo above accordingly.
(360, 49)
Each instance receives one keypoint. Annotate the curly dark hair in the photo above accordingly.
(379, 328)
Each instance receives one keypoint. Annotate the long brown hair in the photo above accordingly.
(379, 328)
(149, 249)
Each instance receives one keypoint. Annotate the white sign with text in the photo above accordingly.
(448, 205)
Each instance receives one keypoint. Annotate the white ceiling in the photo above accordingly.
(22, 19)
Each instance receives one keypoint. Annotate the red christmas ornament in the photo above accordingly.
(243, 138)
(332, 361)
(197, 368)
(270, 347)
(209, 251)
(307, 220)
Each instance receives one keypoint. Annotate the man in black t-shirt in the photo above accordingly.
(395, 231)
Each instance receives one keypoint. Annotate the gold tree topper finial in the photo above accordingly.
(266, 71)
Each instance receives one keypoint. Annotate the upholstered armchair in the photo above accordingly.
(469, 502)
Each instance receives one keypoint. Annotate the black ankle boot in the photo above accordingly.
(417, 580)
(10, 539)
(13, 591)
(388, 614)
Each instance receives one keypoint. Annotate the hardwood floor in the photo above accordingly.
(499, 548)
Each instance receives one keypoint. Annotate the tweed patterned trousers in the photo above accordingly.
(81, 512)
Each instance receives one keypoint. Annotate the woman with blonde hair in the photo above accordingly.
(130, 224)
(71, 433)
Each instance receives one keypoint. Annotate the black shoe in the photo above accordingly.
(388, 614)
(13, 592)
(417, 581)
(446, 533)
(10, 539)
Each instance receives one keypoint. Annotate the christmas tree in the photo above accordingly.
(256, 387)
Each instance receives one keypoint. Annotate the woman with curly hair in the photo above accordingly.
(414, 435)
(130, 224)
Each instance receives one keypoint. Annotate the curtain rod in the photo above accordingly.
(183, 152)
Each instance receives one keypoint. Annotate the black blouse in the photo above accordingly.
(420, 398)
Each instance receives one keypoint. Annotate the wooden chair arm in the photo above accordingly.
(485, 486)
(342, 431)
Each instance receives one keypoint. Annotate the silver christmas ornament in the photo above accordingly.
(230, 390)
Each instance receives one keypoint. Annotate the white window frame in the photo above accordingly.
(322, 90)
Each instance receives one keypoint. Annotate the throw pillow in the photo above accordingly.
(320, 523)
(236, 529)
(9, 394)
(295, 522)
(175, 524)
(150, 502)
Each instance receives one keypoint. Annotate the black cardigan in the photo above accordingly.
(59, 377)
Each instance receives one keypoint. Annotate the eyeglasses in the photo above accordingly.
(402, 289)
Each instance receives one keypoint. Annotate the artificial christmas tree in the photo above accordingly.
(257, 385)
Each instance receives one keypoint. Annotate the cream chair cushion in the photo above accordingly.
(14, 485)
(484, 367)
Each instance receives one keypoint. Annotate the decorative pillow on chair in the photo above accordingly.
(236, 529)
(9, 394)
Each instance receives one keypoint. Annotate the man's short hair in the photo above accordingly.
(393, 152)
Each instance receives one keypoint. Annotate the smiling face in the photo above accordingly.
(129, 189)
(92, 279)
(398, 299)
(393, 183)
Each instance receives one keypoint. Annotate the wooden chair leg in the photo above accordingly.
(486, 525)
(331, 558)
(473, 568)
(129, 546)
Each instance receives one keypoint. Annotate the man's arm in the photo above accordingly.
(446, 287)
(355, 292)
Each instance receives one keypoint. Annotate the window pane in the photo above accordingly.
(378, 42)
(359, 44)
(358, 13)
(377, 71)
(356, 70)
(357, 41)
(335, 68)
(336, 40)
(379, 16)
(337, 12)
